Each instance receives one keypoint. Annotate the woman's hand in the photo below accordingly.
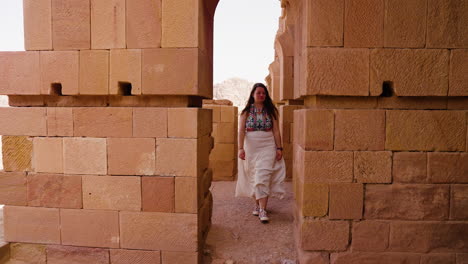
(279, 154)
(242, 154)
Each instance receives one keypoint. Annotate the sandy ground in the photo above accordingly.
(236, 236)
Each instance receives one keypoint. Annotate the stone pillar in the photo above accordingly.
(380, 151)
(223, 158)
(106, 147)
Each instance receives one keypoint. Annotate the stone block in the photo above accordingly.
(31, 225)
(204, 184)
(131, 156)
(446, 27)
(410, 167)
(179, 257)
(370, 257)
(359, 130)
(433, 237)
(188, 122)
(161, 70)
(180, 23)
(123, 256)
(216, 112)
(112, 193)
(370, 236)
(125, 70)
(90, 228)
(94, 72)
(148, 230)
(325, 64)
(150, 122)
(326, 166)
(373, 166)
(458, 103)
(425, 130)
(85, 156)
(458, 80)
(23, 121)
(438, 259)
(324, 235)
(309, 257)
(405, 24)
(13, 188)
(410, 72)
(59, 72)
(346, 201)
(37, 18)
(48, 154)
(76, 255)
(108, 24)
(447, 167)
(459, 202)
(59, 121)
(103, 122)
(314, 199)
(462, 258)
(413, 103)
(364, 23)
(186, 195)
(17, 153)
(143, 24)
(315, 128)
(54, 190)
(411, 202)
(26, 100)
(20, 73)
(71, 24)
(223, 152)
(342, 102)
(28, 253)
(223, 170)
(228, 114)
(227, 133)
(324, 22)
(158, 194)
(182, 152)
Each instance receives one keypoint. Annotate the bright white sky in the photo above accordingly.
(243, 38)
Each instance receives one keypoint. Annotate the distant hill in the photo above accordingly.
(236, 90)
(3, 100)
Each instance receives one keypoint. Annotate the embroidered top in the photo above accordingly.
(258, 120)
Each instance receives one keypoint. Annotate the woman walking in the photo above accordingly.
(261, 167)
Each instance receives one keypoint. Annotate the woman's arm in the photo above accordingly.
(277, 135)
(241, 136)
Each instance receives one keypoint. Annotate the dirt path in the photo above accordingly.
(238, 236)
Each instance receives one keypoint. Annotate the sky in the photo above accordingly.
(243, 39)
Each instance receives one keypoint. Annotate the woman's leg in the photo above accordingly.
(263, 202)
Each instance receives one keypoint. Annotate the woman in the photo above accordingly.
(261, 169)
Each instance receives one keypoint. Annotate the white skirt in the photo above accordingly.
(260, 174)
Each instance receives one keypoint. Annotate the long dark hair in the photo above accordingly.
(267, 104)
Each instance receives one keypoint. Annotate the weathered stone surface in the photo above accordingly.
(433, 237)
(458, 103)
(112, 193)
(324, 22)
(150, 122)
(327, 166)
(325, 64)
(370, 236)
(420, 102)
(412, 202)
(37, 24)
(22, 121)
(459, 202)
(412, 72)
(405, 24)
(125, 67)
(458, 80)
(179, 257)
(33, 225)
(131, 156)
(13, 188)
(158, 194)
(324, 235)
(84, 156)
(373, 166)
(102, 122)
(446, 26)
(122, 256)
(180, 151)
(54, 190)
(410, 167)
(186, 196)
(314, 199)
(17, 153)
(381, 258)
(71, 24)
(48, 155)
(447, 167)
(308, 257)
(90, 228)
(147, 230)
(188, 122)
(364, 23)
(438, 259)
(228, 114)
(346, 201)
(223, 170)
(94, 72)
(143, 20)
(359, 130)
(108, 24)
(76, 255)
(462, 258)
(223, 152)
(59, 121)
(341, 102)
(314, 129)
(19, 73)
(425, 130)
(60, 67)
(180, 23)
(28, 253)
